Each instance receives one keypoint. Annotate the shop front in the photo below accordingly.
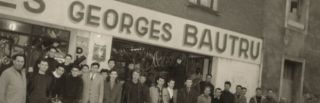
(102, 30)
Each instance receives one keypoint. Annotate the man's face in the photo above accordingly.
(259, 92)
(207, 91)
(160, 81)
(171, 84)
(135, 75)
(188, 83)
(142, 79)
(227, 86)
(55, 44)
(68, 59)
(179, 61)
(111, 64)
(131, 66)
(95, 68)
(52, 52)
(270, 93)
(238, 89)
(104, 74)
(137, 66)
(43, 66)
(60, 70)
(113, 75)
(75, 72)
(218, 93)
(85, 69)
(18, 63)
(208, 79)
(243, 92)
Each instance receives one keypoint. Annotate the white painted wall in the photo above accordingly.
(238, 73)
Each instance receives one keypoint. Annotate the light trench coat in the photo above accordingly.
(13, 86)
(92, 89)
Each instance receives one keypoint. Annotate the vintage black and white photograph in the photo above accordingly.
(159, 51)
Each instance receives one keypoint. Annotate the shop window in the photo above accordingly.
(156, 61)
(297, 14)
(207, 5)
(31, 40)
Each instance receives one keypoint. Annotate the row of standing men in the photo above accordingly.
(43, 85)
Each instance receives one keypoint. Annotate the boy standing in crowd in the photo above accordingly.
(68, 63)
(133, 89)
(39, 84)
(73, 86)
(53, 63)
(205, 96)
(57, 84)
(270, 98)
(172, 91)
(227, 96)
(237, 95)
(217, 96)
(187, 94)
(145, 88)
(206, 83)
(178, 73)
(158, 94)
(242, 98)
(112, 88)
(258, 98)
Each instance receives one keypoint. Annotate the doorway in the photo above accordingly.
(292, 81)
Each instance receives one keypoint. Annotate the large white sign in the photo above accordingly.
(138, 24)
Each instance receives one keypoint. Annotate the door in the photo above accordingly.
(292, 81)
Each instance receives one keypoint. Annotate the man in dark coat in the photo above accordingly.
(57, 85)
(128, 71)
(270, 98)
(187, 94)
(53, 63)
(227, 96)
(258, 98)
(133, 90)
(68, 64)
(73, 86)
(39, 84)
(178, 73)
(217, 96)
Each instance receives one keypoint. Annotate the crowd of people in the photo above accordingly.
(50, 81)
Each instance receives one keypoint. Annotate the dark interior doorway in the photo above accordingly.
(292, 81)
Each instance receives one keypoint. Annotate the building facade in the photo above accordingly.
(290, 65)
(253, 43)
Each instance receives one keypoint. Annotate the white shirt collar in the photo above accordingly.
(55, 74)
(170, 92)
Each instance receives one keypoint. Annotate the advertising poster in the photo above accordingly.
(82, 45)
(99, 53)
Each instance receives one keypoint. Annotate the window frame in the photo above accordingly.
(213, 8)
(296, 25)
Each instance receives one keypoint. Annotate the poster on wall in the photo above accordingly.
(99, 53)
(82, 45)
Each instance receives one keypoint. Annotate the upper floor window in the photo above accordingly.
(211, 5)
(297, 14)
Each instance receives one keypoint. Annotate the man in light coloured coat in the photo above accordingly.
(13, 83)
(159, 94)
(93, 85)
